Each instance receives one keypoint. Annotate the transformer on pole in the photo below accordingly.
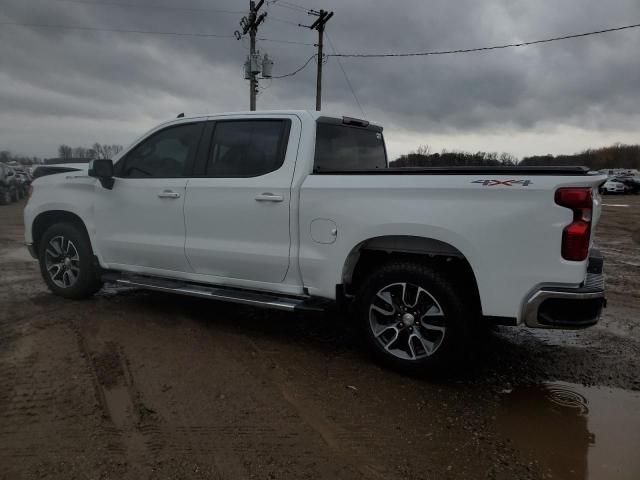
(253, 65)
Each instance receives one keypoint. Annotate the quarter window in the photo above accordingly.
(163, 155)
(341, 147)
(247, 148)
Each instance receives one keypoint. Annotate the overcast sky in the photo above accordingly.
(78, 87)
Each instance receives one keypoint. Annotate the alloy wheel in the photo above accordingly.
(62, 261)
(407, 321)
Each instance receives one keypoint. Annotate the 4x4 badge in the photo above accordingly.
(506, 183)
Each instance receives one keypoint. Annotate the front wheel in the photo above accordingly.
(66, 262)
(415, 319)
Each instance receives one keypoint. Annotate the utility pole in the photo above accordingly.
(323, 18)
(250, 25)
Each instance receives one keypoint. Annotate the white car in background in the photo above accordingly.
(613, 186)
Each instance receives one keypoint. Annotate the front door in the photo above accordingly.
(237, 211)
(140, 223)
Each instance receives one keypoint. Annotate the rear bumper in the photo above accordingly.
(569, 308)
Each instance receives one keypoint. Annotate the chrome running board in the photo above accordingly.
(226, 294)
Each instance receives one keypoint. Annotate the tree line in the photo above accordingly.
(100, 151)
(65, 153)
(615, 156)
(423, 157)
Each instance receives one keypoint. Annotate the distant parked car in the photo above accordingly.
(22, 184)
(25, 173)
(631, 182)
(613, 186)
(8, 185)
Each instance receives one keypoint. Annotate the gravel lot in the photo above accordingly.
(133, 385)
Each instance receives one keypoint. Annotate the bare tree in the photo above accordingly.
(106, 151)
(65, 151)
(507, 159)
(424, 150)
(80, 152)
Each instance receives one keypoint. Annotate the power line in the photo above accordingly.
(290, 42)
(298, 69)
(171, 8)
(346, 77)
(151, 6)
(282, 20)
(294, 5)
(145, 32)
(480, 49)
(289, 5)
(117, 30)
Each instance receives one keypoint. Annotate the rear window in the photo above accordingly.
(343, 147)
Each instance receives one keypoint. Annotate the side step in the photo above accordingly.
(226, 294)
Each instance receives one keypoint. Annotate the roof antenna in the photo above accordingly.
(181, 115)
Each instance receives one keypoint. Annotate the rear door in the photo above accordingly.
(237, 211)
(140, 223)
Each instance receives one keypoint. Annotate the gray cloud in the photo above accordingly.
(94, 83)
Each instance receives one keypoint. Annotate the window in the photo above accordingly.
(342, 147)
(247, 148)
(163, 155)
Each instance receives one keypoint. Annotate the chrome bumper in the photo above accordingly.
(568, 308)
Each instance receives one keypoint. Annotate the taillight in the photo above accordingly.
(576, 236)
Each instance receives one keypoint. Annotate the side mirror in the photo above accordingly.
(103, 171)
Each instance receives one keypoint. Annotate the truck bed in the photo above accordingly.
(559, 170)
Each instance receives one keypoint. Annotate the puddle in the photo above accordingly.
(575, 432)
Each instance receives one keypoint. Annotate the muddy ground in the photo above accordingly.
(138, 385)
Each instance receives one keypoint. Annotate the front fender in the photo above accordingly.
(73, 194)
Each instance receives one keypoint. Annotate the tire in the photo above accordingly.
(67, 262)
(415, 319)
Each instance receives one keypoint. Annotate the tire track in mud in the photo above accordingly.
(45, 416)
(147, 441)
(216, 414)
(343, 442)
(116, 394)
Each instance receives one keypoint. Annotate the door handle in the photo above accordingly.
(269, 197)
(169, 194)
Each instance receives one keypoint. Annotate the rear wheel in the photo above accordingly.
(415, 319)
(66, 262)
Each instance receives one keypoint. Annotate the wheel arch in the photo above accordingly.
(45, 219)
(370, 253)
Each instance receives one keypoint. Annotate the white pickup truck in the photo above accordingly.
(295, 210)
